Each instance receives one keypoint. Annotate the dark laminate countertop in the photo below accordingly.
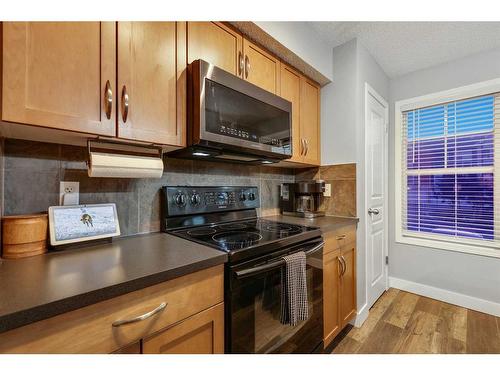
(326, 223)
(37, 288)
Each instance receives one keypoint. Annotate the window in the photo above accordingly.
(449, 174)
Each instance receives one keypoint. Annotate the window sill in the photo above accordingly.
(487, 251)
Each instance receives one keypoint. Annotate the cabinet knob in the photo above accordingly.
(125, 104)
(108, 99)
(247, 66)
(241, 64)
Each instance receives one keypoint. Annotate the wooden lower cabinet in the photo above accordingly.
(339, 281)
(202, 333)
(347, 295)
(331, 280)
(189, 301)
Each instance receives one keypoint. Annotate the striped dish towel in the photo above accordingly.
(294, 306)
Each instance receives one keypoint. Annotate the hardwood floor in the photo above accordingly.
(402, 322)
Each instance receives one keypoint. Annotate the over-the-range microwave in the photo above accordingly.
(230, 119)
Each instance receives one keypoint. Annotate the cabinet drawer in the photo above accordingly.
(339, 238)
(90, 330)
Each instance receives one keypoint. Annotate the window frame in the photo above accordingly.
(462, 245)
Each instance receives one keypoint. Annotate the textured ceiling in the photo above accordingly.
(403, 47)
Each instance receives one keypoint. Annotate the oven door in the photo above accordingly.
(253, 306)
(232, 114)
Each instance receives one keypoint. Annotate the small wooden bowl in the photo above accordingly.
(24, 235)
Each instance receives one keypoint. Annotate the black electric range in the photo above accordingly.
(225, 218)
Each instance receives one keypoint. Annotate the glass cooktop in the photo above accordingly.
(241, 234)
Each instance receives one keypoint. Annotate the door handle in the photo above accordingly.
(374, 211)
(108, 99)
(125, 104)
(247, 66)
(140, 318)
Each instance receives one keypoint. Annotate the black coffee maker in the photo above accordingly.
(302, 198)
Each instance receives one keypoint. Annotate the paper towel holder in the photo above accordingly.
(116, 159)
(121, 147)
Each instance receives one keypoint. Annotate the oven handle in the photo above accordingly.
(275, 264)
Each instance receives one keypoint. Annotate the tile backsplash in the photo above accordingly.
(32, 172)
(342, 177)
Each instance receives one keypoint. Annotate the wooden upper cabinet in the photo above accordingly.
(310, 120)
(348, 285)
(202, 333)
(215, 43)
(261, 68)
(55, 74)
(290, 90)
(148, 81)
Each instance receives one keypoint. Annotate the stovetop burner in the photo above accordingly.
(201, 231)
(236, 240)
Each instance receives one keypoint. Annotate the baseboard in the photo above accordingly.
(361, 316)
(444, 295)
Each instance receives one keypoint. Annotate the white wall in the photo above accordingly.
(338, 111)
(466, 274)
(304, 42)
(342, 129)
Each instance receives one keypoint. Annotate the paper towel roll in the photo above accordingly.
(124, 166)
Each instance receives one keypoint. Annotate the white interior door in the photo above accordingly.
(376, 194)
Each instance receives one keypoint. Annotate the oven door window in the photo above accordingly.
(245, 119)
(255, 314)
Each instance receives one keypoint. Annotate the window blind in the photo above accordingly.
(451, 171)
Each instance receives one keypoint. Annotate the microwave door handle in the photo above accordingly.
(271, 265)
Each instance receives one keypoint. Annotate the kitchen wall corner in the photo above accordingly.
(342, 178)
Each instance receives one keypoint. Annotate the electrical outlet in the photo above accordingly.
(69, 193)
(328, 190)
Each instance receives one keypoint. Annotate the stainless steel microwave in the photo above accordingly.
(230, 119)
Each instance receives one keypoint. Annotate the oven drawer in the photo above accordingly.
(339, 237)
(90, 329)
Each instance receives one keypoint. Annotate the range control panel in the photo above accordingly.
(187, 200)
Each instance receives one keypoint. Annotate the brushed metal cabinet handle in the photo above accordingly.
(306, 141)
(345, 265)
(247, 66)
(341, 237)
(341, 266)
(140, 318)
(108, 99)
(241, 64)
(125, 104)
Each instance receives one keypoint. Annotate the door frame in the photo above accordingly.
(371, 91)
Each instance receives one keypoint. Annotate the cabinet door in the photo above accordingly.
(261, 68)
(331, 280)
(147, 82)
(215, 43)
(202, 333)
(55, 75)
(290, 90)
(348, 286)
(310, 120)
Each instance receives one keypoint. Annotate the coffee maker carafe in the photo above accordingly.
(302, 198)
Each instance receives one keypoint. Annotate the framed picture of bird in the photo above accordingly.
(69, 224)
